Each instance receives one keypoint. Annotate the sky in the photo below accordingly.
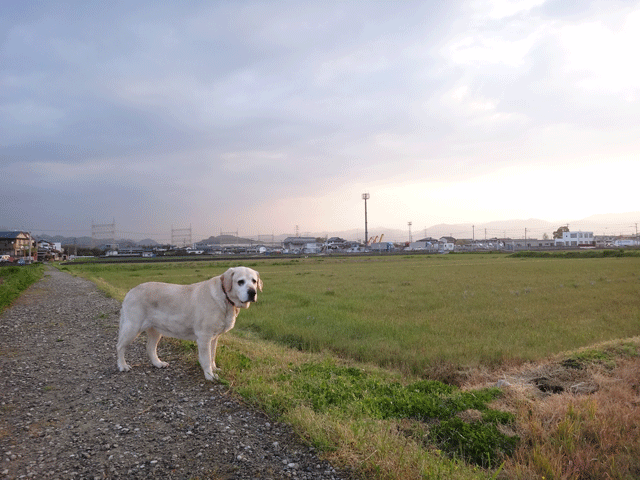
(274, 117)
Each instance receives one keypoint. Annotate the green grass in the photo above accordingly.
(424, 314)
(412, 313)
(375, 421)
(356, 394)
(14, 280)
(370, 335)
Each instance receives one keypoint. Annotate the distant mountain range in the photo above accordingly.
(600, 224)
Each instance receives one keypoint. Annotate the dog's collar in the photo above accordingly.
(227, 296)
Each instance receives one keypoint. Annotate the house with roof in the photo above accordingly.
(301, 245)
(336, 243)
(426, 244)
(17, 244)
(446, 244)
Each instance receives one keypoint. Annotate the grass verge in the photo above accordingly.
(377, 422)
(14, 280)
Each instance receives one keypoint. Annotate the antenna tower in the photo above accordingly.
(105, 231)
(181, 235)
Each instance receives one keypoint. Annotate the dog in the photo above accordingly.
(200, 312)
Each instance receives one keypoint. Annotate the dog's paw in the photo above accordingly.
(160, 364)
(124, 368)
(212, 377)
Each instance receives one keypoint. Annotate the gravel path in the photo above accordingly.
(66, 411)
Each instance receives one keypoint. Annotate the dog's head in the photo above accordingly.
(241, 285)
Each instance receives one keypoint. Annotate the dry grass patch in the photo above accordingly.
(591, 429)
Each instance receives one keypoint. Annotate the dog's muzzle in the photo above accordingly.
(251, 295)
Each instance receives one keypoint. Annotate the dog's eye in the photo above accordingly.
(241, 282)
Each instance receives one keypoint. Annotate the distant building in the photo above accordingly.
(446, 244)
(428, 244)
(17, 244)
(576, 239)
(625, 242)
(336, 243)
(381, 247)
(300, 244)
(528, 244)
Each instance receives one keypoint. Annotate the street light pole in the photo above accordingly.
(365, 197)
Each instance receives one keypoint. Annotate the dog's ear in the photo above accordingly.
(227, 280)
(259, 283)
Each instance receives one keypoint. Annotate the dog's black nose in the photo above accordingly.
(251, 293)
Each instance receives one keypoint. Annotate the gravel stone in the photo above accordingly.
(66, 412)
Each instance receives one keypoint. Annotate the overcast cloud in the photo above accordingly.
(259, 116)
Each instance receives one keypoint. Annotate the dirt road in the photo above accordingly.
(66, 412)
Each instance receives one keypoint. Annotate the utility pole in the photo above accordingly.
(365, 197)
(410, 239)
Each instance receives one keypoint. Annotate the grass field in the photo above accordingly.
(420, 313)
(374, 336)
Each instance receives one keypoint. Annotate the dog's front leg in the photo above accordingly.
(214, 347)
(204, 355)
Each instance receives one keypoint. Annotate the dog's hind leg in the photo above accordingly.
(126, 335)
(153, 338)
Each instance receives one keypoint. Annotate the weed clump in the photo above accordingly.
(350, 391)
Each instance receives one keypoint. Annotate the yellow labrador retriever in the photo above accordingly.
(201, 312)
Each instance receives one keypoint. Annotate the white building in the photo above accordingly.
(576, 239)
(446, 244)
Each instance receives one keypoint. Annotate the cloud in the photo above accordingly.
(602, 56)
(257, 115)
